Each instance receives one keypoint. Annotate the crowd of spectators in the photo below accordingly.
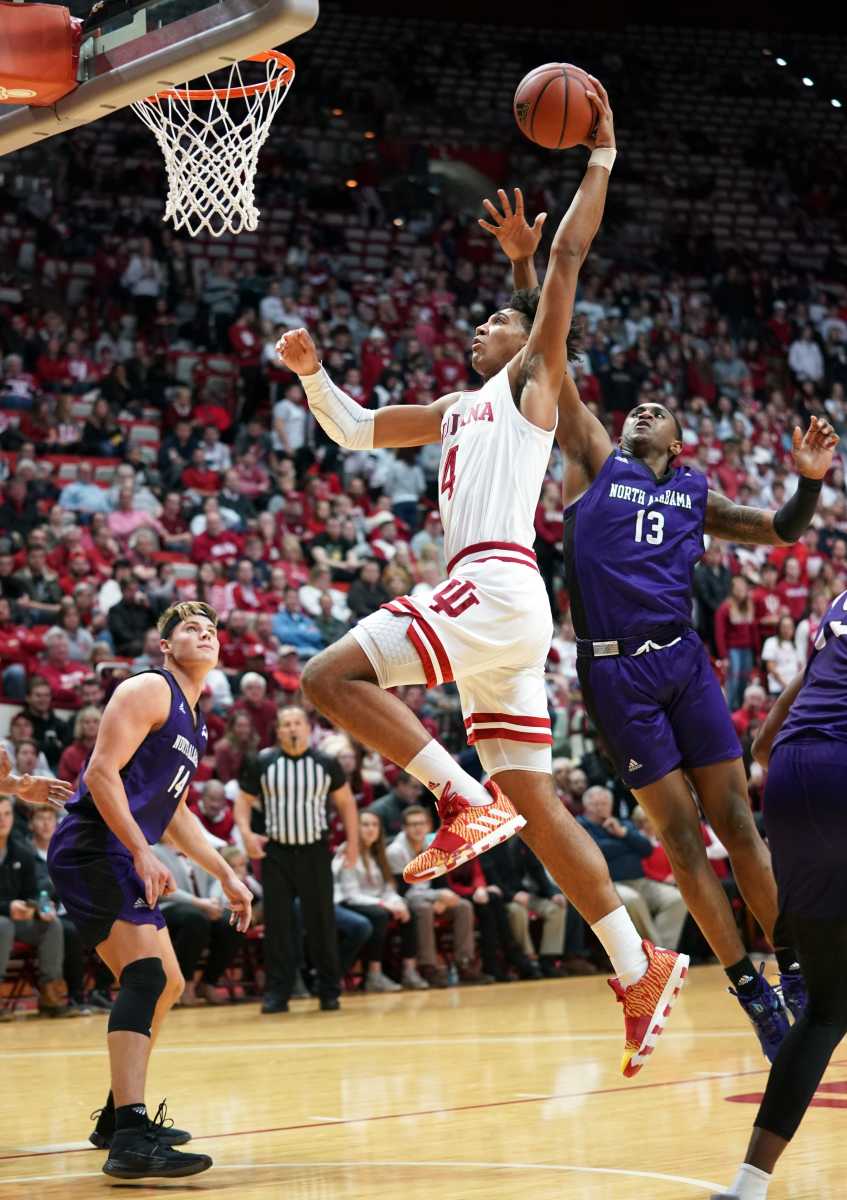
(123, 487)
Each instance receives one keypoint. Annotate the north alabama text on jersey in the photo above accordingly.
(634, 495)
(184, 746)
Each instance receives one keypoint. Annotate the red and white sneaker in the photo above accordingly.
(467, 830)
(648, 1003)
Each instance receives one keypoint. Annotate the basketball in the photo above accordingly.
(551, 107)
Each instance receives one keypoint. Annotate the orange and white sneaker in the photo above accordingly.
(648, 1003)
(467, 830)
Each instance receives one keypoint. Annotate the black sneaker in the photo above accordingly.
(330, 1004)
(162, 1127)
(138, 1154)
(272, 1003)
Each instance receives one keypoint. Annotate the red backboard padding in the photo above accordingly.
(39, 53)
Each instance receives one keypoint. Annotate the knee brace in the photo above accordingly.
(141, 984)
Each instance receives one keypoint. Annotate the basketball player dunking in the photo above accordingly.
(488, 626)
(132, 790)
(634, 529)
(806, 821)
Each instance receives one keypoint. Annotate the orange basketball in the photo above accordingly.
(551, 107)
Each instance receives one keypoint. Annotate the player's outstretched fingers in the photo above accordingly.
(504, 200)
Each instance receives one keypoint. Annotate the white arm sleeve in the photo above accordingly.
(340, 417)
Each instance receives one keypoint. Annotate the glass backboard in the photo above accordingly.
(139, 48)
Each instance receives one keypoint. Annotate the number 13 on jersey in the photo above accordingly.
(448, 472)
(655, 534)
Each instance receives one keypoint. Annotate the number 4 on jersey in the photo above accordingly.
(448, 472)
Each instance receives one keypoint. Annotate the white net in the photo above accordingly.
(210, 139)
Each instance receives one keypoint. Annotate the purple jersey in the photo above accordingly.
(631, 543)
(157, 774)
(820, 709)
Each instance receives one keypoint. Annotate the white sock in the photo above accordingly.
(435, 768)
(621, 941)
(750, 1183)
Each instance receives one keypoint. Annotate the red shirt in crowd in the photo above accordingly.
(263, 715)
(794, 596)
(734, 635)
(17, 644)
(224, 547)
(222, 827)
(65, 680)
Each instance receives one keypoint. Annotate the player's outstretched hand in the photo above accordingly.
(603, 133)
(240, 902)
(518, 239)
(297, 351)
(155, 876)
(5, 768)
(35, 790)
(813, 450)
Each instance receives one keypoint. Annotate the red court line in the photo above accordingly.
(434, 1112)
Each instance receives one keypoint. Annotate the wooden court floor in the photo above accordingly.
(508, 1091)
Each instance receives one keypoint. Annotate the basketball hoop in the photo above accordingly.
(211, 138)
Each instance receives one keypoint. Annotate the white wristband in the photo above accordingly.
(339, 415)
(603, 156)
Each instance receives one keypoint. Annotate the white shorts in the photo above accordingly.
(488, 628)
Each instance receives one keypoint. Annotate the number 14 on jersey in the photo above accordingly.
(448, 472)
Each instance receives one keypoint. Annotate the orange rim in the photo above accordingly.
(285, 76)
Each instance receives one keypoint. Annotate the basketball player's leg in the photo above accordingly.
(807, 830)
(143, 961)
(518, 758)
(722, 788)
(133, 954)
(670, 806)
(348, 682)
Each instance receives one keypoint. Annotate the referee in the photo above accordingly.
(289, 784)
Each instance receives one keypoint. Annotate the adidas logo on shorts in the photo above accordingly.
(140, 903)
(633, 765)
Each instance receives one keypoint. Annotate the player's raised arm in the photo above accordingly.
(582, 439)
(138, 706)
(812, 454)
(347, 422)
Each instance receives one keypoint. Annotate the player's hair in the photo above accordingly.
(177, 613)
(525, 302)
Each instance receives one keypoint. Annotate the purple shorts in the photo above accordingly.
(806, 822)
(659, 710)
(96, 882)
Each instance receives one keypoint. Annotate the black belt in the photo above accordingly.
(640, 643)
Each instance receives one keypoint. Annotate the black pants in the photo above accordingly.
(810, 1043)
(304, 871)
(192, 932)
(495, 934)
(380, 919)
(73, 964)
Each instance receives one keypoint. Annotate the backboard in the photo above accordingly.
(164, 43)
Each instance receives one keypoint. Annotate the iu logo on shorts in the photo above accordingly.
(454, 597)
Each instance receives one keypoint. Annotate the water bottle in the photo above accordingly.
(44, 905)
(452, 975)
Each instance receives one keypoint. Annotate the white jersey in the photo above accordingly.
(493, 463)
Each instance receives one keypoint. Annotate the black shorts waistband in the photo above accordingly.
(639, 643)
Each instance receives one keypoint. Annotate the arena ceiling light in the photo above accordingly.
(782, 62)
(807, 82)
(836, 104)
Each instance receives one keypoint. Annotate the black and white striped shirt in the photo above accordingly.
(293, 791)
